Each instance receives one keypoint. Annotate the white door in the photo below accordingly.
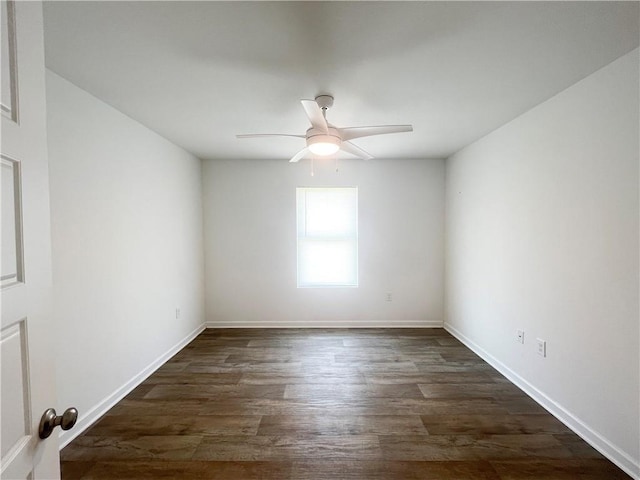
(26, 346)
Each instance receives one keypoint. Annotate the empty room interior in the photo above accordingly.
(315, 240)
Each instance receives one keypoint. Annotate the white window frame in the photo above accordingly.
(303, 236)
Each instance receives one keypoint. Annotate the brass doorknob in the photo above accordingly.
(50, 420)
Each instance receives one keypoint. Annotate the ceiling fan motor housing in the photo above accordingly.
(321, 142)
(315, 135)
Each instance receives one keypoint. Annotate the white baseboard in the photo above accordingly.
(87, 419)
(596, 440)
(329, 324)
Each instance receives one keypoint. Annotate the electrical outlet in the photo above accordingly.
(542, 347)
(389, 297)
(520, 336)
(177, 313)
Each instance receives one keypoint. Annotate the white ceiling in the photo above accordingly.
(198, 73)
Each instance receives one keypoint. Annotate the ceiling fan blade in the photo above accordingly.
(299, 156)
(350, 133)
(355, 150)
(257, 135)
(315, 115)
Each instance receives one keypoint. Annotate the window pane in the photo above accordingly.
(324, 262)
(330, 212)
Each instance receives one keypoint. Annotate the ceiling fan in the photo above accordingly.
(324, 139)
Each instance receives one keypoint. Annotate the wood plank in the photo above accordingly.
(341, 425)
(427, 378)
(558, 469)
(492, 424)
(173, 378)
(163, 447)
(141, 425)
(187, 470)
(330, 378)
(392, 470)
(283, 448)
(471, 447)
(203, 367)
(215, 392)
(351, 392)
(470, 390)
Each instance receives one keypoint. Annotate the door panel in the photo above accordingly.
(26, 350)
(16, 405)
(8, 100)
(11, 262)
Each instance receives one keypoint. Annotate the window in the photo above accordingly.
(327, 237)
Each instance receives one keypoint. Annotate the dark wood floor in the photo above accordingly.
(324, 404)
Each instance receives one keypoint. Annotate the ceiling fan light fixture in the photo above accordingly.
(323, 139)
(323, 145)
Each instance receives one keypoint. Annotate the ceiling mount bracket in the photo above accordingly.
(324, 101)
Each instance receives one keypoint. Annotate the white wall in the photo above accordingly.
(126, 211)
(250, 244)
(542, 235)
